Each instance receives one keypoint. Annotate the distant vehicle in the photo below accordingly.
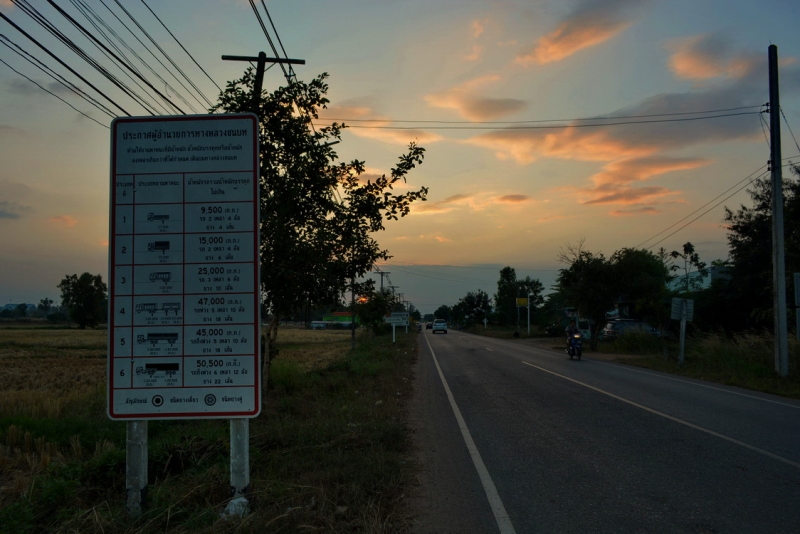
(619, 327)
(318, 325)
(428, 325)
(439, 325)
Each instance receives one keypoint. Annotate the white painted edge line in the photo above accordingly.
(499, 510)
(671, 418)
(623, 366)
(490, 350)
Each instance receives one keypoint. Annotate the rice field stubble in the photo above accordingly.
(329, 452)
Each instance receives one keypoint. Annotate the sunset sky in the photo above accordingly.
(472, 82)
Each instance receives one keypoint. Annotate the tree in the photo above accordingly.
(86, 298)
(473, 307)
(318, 217)
(22, 310)
(642, 278)
(505, 300)
(44, 307)
(750, 250)
(589, 284)
(443, 312)
(691, 262)
(372, 308)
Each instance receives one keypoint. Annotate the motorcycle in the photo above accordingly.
(575, 347)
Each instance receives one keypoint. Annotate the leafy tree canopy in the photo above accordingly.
(86, 298)
(318, 216)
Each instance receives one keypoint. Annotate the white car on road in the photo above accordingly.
(439, 325)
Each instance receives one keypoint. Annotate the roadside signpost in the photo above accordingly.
(682, 309)
(797, 304)
(184, 314)
(397, 319)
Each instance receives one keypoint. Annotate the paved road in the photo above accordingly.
(546, 444)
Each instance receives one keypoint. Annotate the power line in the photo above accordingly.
(30, 58)
(124, 64)
(33, 13)
(46, 50)
(55, 95)
(701, 207)
(168, 58)
(86, 11)
(179, 44)
(509, 128)
(549, 120)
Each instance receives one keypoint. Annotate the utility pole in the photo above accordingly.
(382, 273)
(778, 254)
(261, 62)
(240, 428)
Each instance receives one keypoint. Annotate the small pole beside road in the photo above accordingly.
(682, 309)
(136, 467)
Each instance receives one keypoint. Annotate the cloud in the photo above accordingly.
(632, 195)
(646, 210)
(478, 27)
(513, 199)
(475, 55)
(12, 210)
(63, 220)
(592, 23)
(702, 57)
(375, 126)
(639, 169)
(443, 206)
(472, 107)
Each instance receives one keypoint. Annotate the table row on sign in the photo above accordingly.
(153, 249)
(165, 310)
(173, 188)
(180, 218)
(191, 371)
(213, 340)
(184, 279)
(172, 403)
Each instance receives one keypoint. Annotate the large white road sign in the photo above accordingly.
(183, 255)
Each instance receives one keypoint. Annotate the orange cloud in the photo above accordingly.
(591, 24)
(478, 27)
(443, 206)
(525, 146)
(475, 55)
(702, 57)
(647, 210)
(371, 126)
(638, 169)
(612, 185)
(63, 220)
(472, 107)
(568, 39)
(513, 199)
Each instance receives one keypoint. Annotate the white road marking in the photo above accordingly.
(490, 350)
(618, 366)
(500, 514)
(671, 418)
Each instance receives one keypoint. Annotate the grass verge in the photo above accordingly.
(329, 452)
(745, 360)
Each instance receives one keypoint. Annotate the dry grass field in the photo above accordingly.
(329, 452)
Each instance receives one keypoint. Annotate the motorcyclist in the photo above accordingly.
(571, 330)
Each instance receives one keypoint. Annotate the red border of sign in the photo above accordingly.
(256, 271)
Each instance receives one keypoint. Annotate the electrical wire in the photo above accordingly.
(55, 95)
(549, 120)
(86, 11)
(48, 52)
(790, 130)
(30, 58)
(181, 45)
(119, 61)
(765, 128)
(33, 13)
(511, 128)
(748, 177)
